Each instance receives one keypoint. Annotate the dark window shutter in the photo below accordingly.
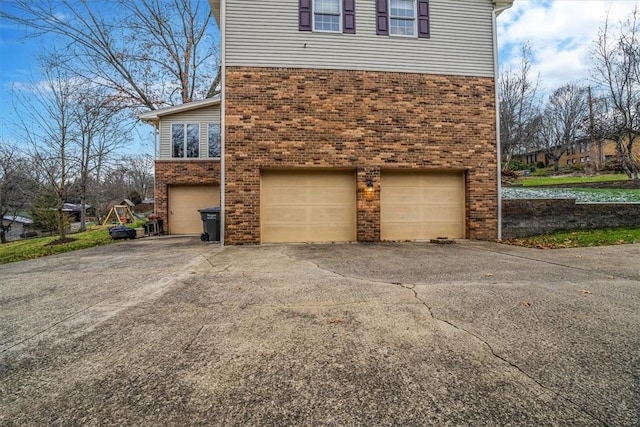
(349, 16)
(423, 19)
(382, 18)
(304, 15)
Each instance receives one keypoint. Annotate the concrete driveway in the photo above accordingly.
(171, 331)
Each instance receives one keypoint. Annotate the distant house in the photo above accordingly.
(75, 210)
(581, 152)
(340, 121)
(20, 227)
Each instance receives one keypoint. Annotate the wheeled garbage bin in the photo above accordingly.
(210, 224)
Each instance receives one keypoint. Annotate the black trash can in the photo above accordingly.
(210, 224)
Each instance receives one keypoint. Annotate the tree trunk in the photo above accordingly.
(83, 215)
(62, 231)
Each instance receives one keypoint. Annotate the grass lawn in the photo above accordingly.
(534, 181)
(35, 248)
(574, 239)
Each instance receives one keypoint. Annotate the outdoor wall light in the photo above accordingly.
(369, 186)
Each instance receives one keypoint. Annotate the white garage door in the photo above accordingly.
(422, 205)
(308, 206)
(184, 202)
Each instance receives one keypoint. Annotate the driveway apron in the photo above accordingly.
(173, 331)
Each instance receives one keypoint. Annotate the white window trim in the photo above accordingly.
(313, 18)
(186, 133)
(415, 21)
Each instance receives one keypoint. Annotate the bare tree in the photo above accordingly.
(150, 53)
(617, 72)
(139, 172)
(519, 107)
(48, 130)
(565, 113)
(15, 187)
(101, 130)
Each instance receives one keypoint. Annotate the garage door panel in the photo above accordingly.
(422, 205)
(440, 195)
(308, 206)
(284, 214)
(289, 234)
(329, 214)
(284, 196)
(400, 212)
(184, 202)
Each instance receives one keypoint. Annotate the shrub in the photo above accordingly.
(516, 165)
(612, 165)
(577, 167)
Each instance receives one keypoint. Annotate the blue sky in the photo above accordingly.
(559, 31)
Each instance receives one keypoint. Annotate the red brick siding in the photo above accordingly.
(364, 121)
(170, 172)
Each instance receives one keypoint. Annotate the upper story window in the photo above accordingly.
(185, 140)
(327, 16)
(402, 18)
(214, 140)
(409, 18)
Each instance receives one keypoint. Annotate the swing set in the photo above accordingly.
(119, 214)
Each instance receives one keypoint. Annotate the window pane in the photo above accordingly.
(327, 6)
(177, 140)
(403, 8)
(214, 140)
(327, 22)
(193, 141)
(402, 27)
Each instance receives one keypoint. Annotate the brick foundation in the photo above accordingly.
(170, 172)
(364, 121)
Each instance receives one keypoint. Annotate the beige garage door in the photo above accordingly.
(305, 206)
(422, 205)
(184, 202)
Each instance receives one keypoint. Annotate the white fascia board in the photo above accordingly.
(155, 115)
(501, 5)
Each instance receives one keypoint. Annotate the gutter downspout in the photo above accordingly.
(156, 137)
(223, 7)
(496, 12)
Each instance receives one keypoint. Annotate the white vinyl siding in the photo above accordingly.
(202, 117)
(461, 40)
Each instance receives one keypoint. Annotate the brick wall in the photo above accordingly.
(363, 121)
(530, 217)
(181, 172)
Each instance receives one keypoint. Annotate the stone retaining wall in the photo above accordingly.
(628, 184)
(529, 217)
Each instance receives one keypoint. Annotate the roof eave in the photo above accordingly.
(154, 116)
(215, 10)
(501, 5)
